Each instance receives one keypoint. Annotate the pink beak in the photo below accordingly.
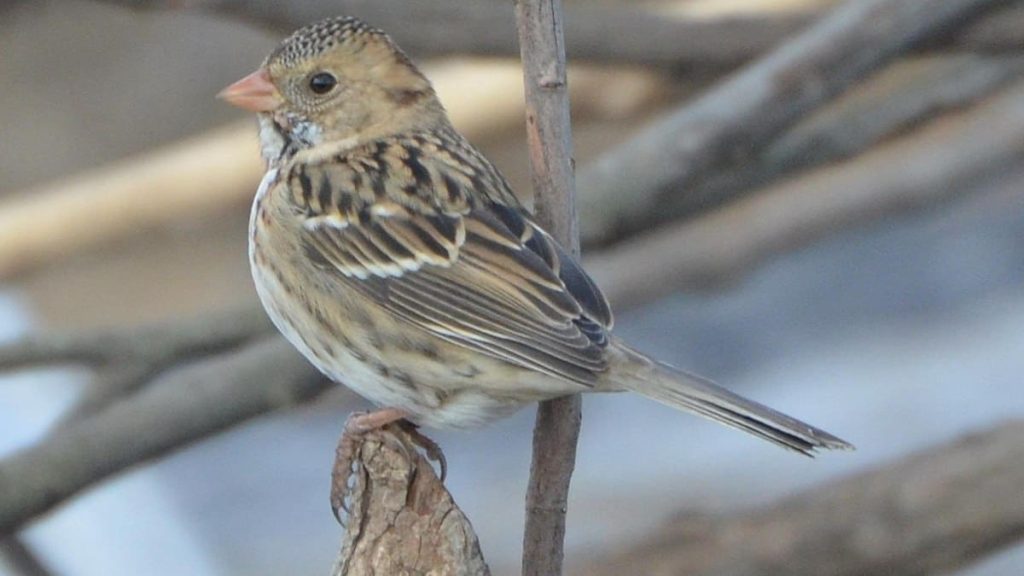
(255, 93)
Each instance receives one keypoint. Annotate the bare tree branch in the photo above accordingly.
(549, 135)
(727, 125)
(899, 99)
(946, 160)
(598, 33)
(403, 519)
(928, 514)
(997, 30)
(127, 359)
(593, 33)
(157, 346)
(181, 407)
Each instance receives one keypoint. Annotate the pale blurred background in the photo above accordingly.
(897, 334)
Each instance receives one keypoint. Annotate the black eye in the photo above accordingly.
(322, 82)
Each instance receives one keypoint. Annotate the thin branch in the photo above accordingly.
(930, 513)
(181, 407)
(945, 160)
(549, 136)
(615, 34)
(727, 125)
(403, 519)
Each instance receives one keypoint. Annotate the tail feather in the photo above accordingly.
(685, 391)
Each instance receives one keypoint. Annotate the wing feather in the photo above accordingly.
(472, 268)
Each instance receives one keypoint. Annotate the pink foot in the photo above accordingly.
(356, 427)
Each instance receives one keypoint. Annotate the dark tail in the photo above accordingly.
(678, 389)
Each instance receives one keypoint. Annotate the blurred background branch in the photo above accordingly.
(724, 127)
(929, 513)
(903, 97)
(942, 161)
(192, 401)
(594, 33)
(125, 360)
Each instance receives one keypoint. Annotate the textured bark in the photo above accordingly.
(403, 520)
(927, 514)
(549, 136)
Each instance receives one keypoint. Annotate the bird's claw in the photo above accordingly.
(430, 448)
(346, 458)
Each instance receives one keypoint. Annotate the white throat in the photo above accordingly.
(304, 141)
(272, 143)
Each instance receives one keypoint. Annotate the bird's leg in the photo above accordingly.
(356, 427)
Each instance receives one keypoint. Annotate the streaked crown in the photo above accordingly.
(315, 39)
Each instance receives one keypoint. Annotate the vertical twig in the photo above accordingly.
(547, 124)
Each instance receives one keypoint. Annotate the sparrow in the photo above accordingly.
(393, 255)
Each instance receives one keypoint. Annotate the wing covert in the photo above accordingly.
(470, 270)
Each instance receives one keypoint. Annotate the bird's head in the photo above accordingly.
(336, 81)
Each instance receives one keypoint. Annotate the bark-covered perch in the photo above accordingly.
(403, 520)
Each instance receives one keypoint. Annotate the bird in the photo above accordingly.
(397, 259)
